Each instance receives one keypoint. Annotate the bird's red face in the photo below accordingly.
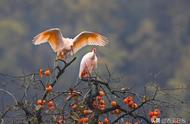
(94, 50)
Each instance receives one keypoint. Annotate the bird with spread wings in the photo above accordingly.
(68, 46)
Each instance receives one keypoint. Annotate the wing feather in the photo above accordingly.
(52, 36)
(88, 38)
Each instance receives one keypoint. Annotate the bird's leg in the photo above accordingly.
(61, 57)
(56, 66)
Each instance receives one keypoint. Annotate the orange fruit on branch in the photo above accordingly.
(85, 120)
(130, 97)
(99, 122)
(102, 107)
(47, 72)
(157, 112)
(51, 105)
(106, 121)
(87, 111)
(98, 97)
(41, 73)
(127, 100)
(101, 93)
(151, 114)
(134, 106)
(49, 88)
(40, 102)
(102, 102)
(130, 103)
(114, 103)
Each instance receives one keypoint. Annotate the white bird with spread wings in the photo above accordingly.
(68, 46)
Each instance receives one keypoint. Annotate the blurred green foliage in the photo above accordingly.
(149, 39)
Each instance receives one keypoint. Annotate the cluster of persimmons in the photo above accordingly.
(48, 88)
(46, 73)
(154, 115)
(98, 103)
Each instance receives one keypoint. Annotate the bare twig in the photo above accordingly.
(10, 94)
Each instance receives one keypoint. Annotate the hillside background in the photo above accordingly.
(149, 40)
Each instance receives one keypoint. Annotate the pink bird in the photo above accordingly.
(68, 46)
(88, 64)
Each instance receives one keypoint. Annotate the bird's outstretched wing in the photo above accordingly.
(88, 38)
(52, 36)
